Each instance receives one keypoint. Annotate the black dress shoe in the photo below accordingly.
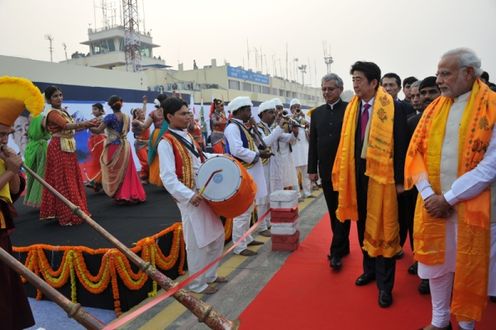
(335, 263)
(385, 298)
(492, 298)
(399, 255)
(364, 279)
(423, 287)
(413, 269)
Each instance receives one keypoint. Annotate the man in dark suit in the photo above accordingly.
(380, 237)
(325, 131)
(428, 91)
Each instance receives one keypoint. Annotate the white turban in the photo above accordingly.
(277, 102)
(293, 102)
(264, 106)
(239, 102)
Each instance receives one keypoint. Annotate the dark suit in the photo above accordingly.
(408, 199)
(382, 267)
(325, 132)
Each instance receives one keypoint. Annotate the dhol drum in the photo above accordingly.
(231, 191)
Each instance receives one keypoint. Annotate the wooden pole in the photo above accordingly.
(203, 311)
(75, 311)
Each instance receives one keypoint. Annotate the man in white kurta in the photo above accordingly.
(300, 150)
(283, 175)
(266, 113)
(456, 188)
(202, 229)
(236, 145)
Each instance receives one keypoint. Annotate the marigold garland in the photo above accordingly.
(113, 265)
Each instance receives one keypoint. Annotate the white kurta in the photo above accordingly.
(465, 187)
(199, 223)
(232, 135)
(270, 140)
(203, 231)
(285, 174)
(300, 149)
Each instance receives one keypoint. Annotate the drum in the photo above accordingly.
(229, 192)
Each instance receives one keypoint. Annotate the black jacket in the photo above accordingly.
(325, 132)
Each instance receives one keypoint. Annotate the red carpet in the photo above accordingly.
(306, 294)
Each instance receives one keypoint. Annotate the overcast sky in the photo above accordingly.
(403, 36)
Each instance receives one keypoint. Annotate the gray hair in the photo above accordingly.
(416, 84)
(333, 76)
(466, 58)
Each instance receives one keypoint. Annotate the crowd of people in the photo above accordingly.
(418, 170)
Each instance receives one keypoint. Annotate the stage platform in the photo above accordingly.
(82, 265)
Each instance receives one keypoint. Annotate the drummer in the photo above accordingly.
(180, 157)
(241, 145)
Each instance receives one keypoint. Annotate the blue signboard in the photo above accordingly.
(242, 74)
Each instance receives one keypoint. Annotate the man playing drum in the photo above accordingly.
(241, 145)
(180, 157)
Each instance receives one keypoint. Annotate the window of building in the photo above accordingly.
(234, 84)
(246, 87)
(257, 88)
(265, 90)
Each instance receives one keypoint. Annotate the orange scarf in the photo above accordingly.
(381, 229)
(424, 161)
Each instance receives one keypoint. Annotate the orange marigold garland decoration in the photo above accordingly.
(113, 265)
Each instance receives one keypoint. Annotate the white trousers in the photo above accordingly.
(441, 299)
(306, 184)
(261, 209)
(441, 288)
(241, 224)
(200, 257)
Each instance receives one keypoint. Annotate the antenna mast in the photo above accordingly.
(327, 56)
(49, 37)
(132, 43)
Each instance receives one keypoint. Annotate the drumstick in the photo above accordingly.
(202, 190)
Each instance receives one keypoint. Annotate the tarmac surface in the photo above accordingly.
(247, 277)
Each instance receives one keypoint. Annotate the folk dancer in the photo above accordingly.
(218, 122)
(160, 127)
(119, 177)
(35, 158)
(93, 170)
(241, 145)
(180, 158)
(141, 141)
(62, 168)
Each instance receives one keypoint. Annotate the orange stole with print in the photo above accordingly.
(182, 159)
(473, 238)
(382, 228)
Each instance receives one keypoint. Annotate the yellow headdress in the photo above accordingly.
(15, 95)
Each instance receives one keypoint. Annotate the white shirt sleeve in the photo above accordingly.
(168, 173)
(424, 187)
(476, 180)
(273, 136)
(287, 137)
(233, 137)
